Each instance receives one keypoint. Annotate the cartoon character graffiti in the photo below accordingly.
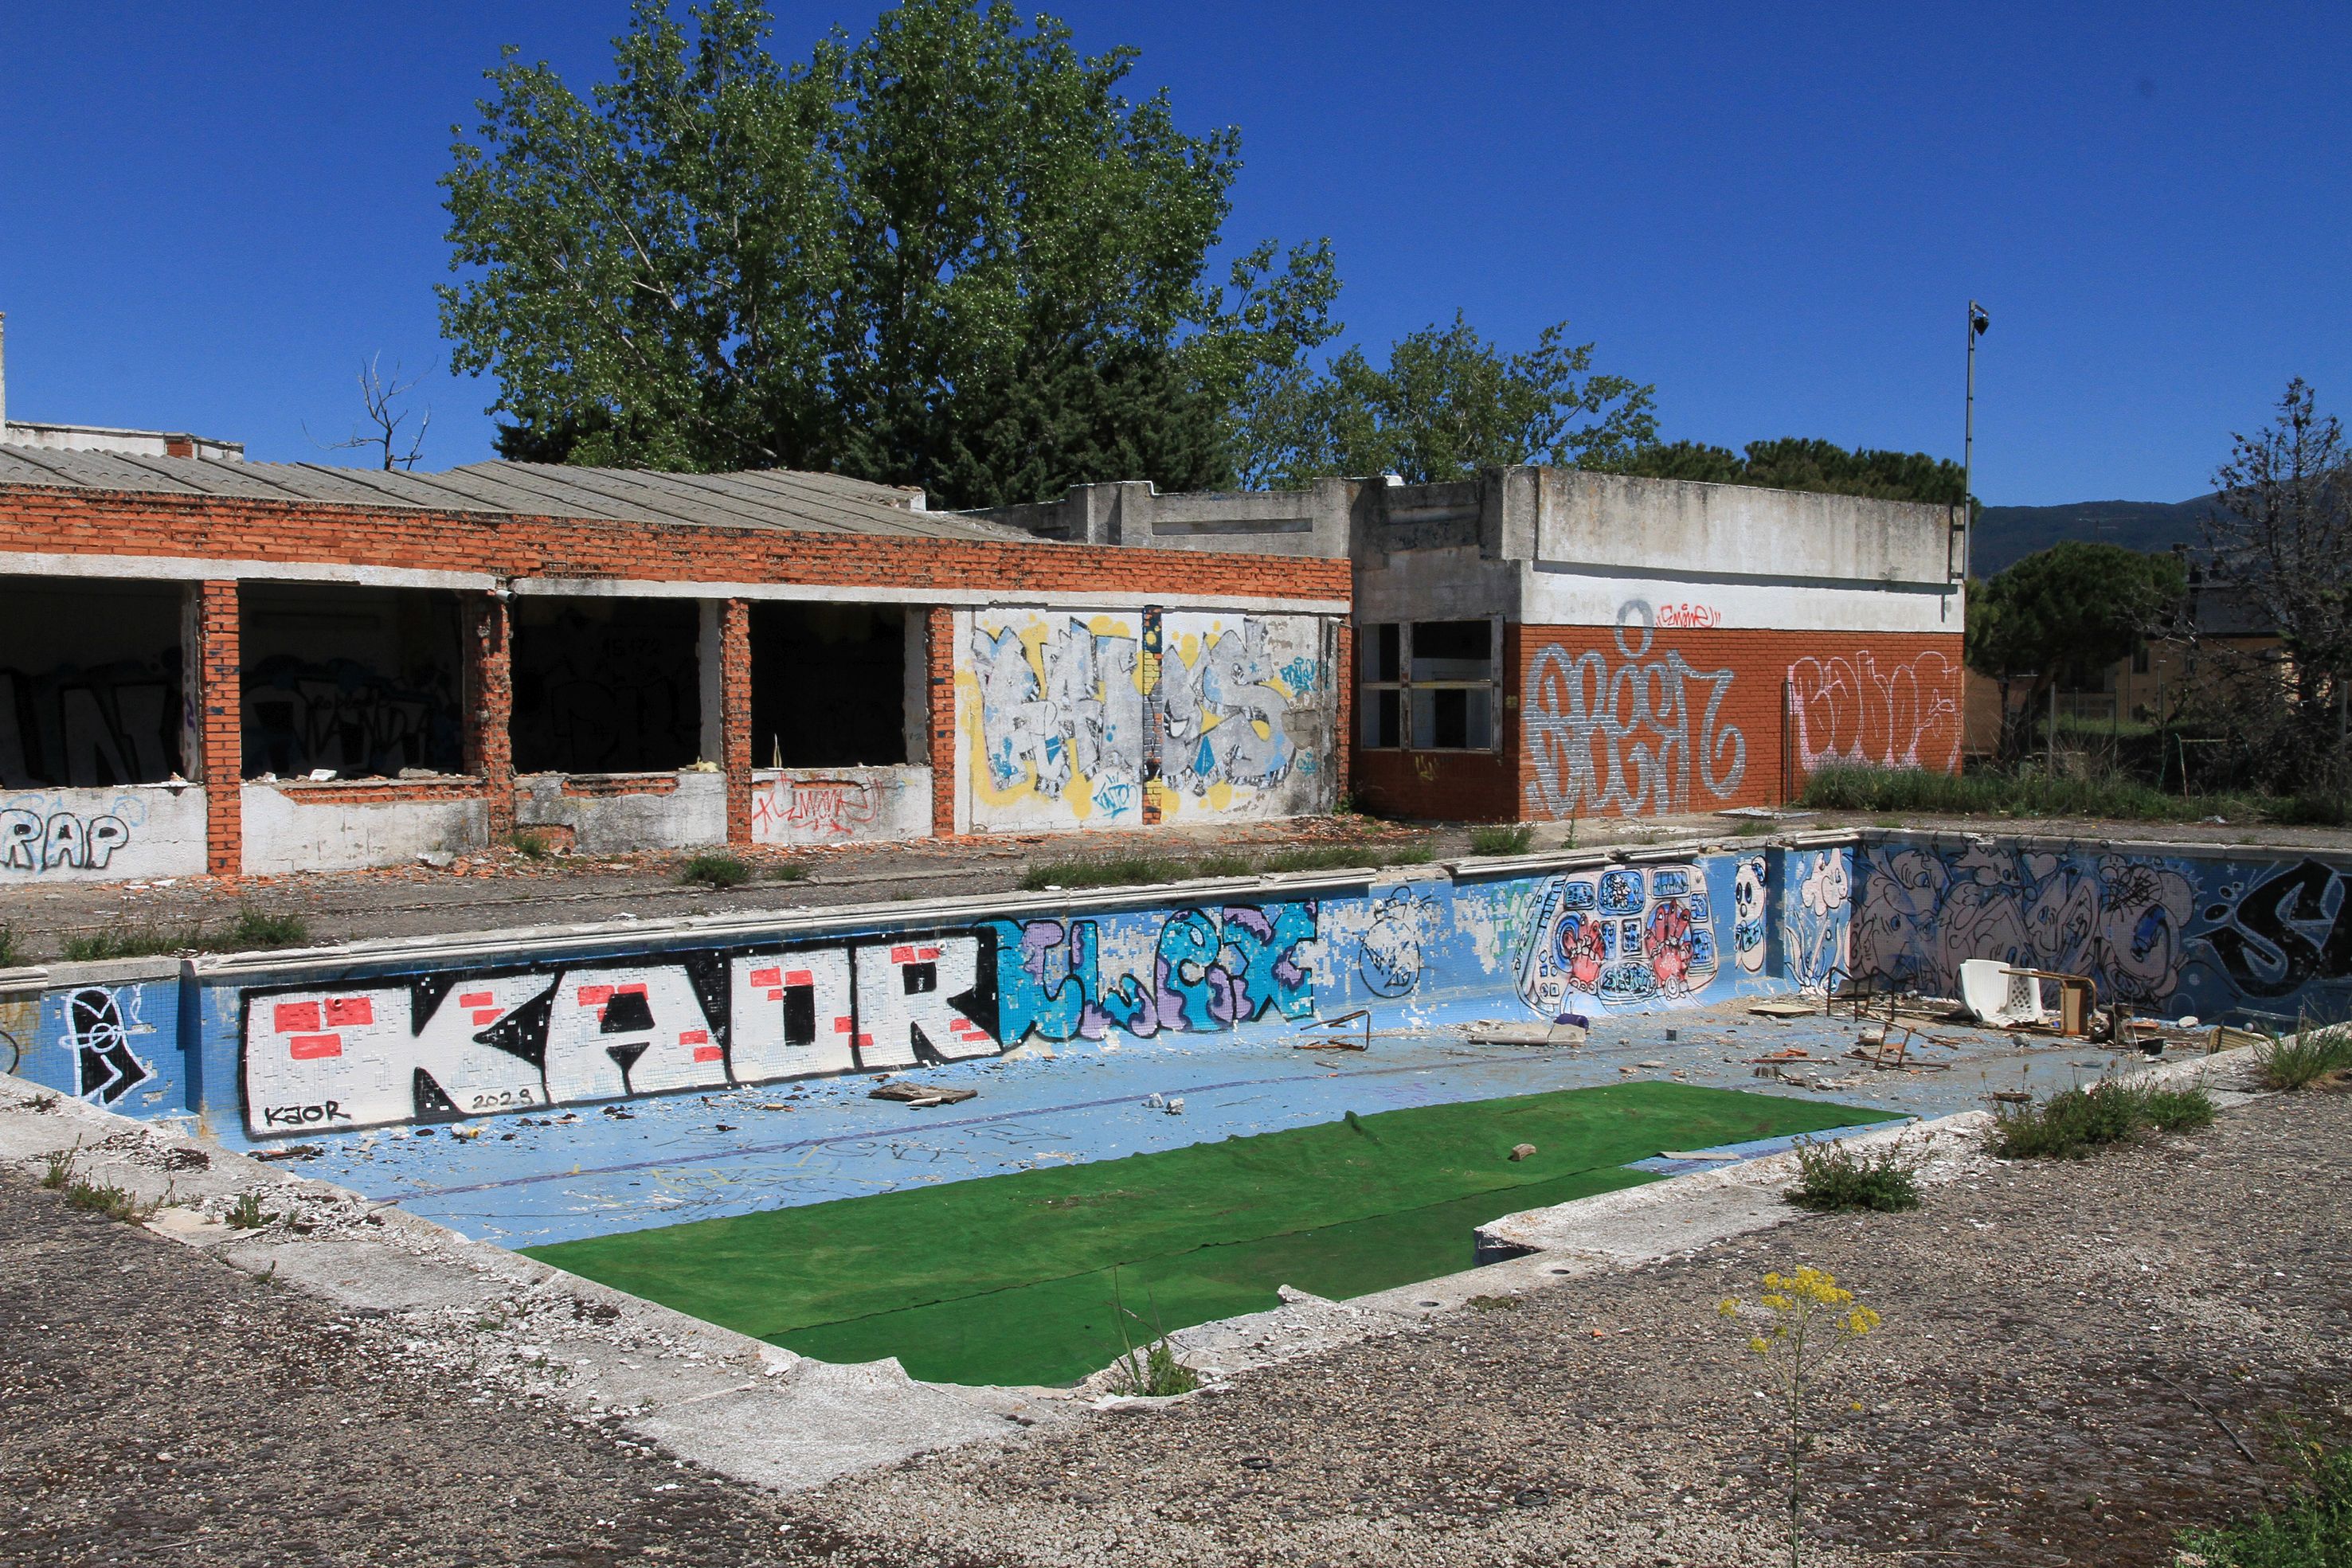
(1817, 925)
(1624, 936)
(1748, 906)
(1389, 955)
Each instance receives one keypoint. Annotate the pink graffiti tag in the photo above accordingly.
(1845, 709)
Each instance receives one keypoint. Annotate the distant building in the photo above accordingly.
(52, 437)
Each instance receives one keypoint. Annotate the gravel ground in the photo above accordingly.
(2067, 1351)
(158, 1406)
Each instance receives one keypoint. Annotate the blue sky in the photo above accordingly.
(209, 216)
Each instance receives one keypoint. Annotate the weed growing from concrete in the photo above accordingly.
(1502, 839)
(10, 954)
(714, 869)
(1121, 872)
(132, 942)
(106, 1199)
(2318, 1059)
(1832, 1177)
(246, 1213)
(1224, 865)
(259, 929)
(789, 871)
(1493, 1303)
(57, 1170)
(1807, 1322)
(530, 846)
(2311, 1527)
(2077, 1122)
(1151, 1371)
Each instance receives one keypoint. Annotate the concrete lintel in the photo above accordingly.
(979, 598)
(198, 569)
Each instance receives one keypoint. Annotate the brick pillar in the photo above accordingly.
(219, 728)
(735, 714)
(938, 659)
(489, 707)
(1343, 740)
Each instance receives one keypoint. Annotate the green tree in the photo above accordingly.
(1446, 405)
(1797, 464)
(952, 254)
(2069, 611)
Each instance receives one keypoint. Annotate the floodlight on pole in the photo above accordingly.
(1978, 321)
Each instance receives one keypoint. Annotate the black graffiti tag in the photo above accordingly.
(2261, 944)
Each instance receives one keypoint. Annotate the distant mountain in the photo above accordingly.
(2005, 534)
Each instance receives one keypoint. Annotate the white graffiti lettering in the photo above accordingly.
(1844, 709)
(1624, 739)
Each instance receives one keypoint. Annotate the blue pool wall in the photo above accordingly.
(259, 1047)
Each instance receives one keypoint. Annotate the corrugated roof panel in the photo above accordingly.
(774, 499)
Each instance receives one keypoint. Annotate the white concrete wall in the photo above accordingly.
(1562, 596)
(328, 829)
(692, 815)
(127, 833)
(1052, 726)
(840, 805)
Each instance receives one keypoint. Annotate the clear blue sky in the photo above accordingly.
(209, 215)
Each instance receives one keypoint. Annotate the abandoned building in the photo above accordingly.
(244, 668)
(250, 668)
(1542, 644)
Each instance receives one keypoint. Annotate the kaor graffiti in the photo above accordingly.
(1845, 709)
(1206, 971)
(1623, 935)
(1628, 738)
(450, 1045)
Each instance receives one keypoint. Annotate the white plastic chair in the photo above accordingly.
(1999, 995)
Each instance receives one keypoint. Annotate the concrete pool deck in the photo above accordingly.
(531, 1180)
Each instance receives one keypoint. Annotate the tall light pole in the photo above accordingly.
(1978, 323)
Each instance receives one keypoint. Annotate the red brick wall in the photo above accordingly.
(735, 714)
(220, 726)
(1884, 695)
(938, 659)
(489, 707)
(219, 527)
(1343, 736)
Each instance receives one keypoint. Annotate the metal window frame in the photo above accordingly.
(1404, 685)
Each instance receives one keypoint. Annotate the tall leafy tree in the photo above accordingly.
(2281, 535)
(2067, 612)
(1798, 463)
(952, 254)
(1447, 403)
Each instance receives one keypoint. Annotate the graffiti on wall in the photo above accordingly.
(1622, 936)
(2123, 919)
(1111, 717)
(1817, 918)
(109, 724)
(2288, 927)
(40, 834)
(1632, 735)
(1203, 971)
(1846, 709)
(301, 715)
(1749, 899)
(448, 1045)
(100, 1023)
(824, 808)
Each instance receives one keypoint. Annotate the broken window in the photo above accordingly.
(828, 684)
(1430, 685)
(605, 686)
(358, 682)
(91, 687)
